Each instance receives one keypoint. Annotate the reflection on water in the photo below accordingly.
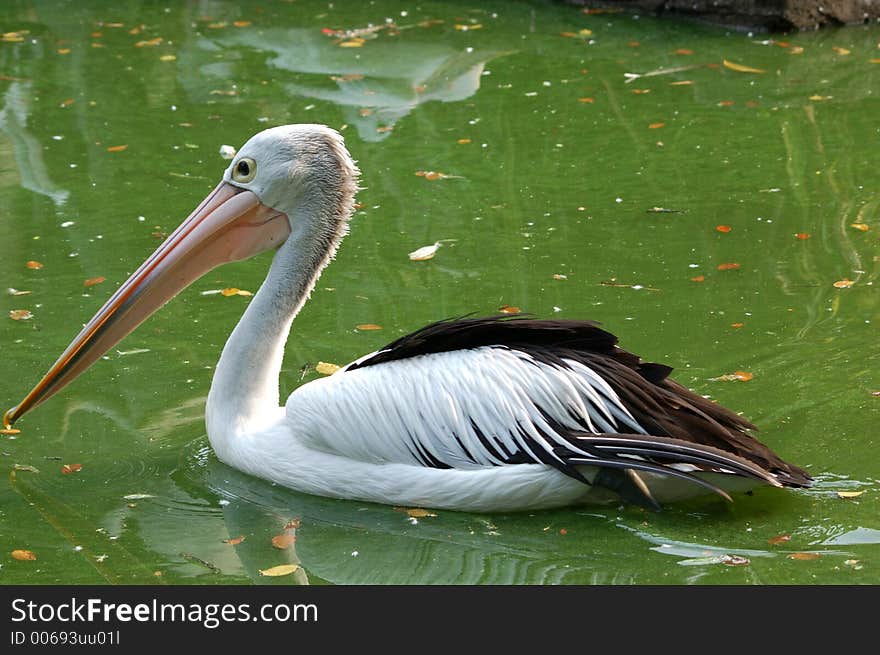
(374, 86)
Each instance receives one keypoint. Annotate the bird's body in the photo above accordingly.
(482, 414)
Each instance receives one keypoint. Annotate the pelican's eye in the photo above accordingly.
(245, 170)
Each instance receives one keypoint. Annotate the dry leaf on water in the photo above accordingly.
(723, 228)
(414, 512)
(23, 555)
(282, 541)
(804, 556)
(326, 368)
(844, 283)
(740, 68)
(33, 265)
(92, 281)
(26, 467)
(234, 541)
(849, 494)
(276, 571)
(509, 309)
(366, 327)
(425, 252)
(117, 148)
(728, 266)
(779, 539)
(20, 314)
(71, 468)
(862, 227)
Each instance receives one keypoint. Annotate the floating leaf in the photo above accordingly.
(16, 292)
(425, 252)
(368, 326)
(234, 541)
(804, 556)
(681, 83)
(282, 541)
(841, 51)
(356, 42)
(683, 51)
(640, 92)
(779, 539)
(137, 496)
(23, 555)
(276, 571)
(33, 265)
(723, 228)
(233, 291)
(656, 126)
(325, 368)
(71, 468)
(817, 98)
(9, 431)
(735, 560)
(92, 281)
(414, 512)
(241, 23)
(849, 494)
(466, 28)
(432, 175)
(509, 309)
(743, 376)
(117, 148)
(20, 314)
(559, 276)
(796, 50)
(698, 278)
(586, 100)
(463, 142)
(737, 326)
(862, 227)
(150, 43)
(63, 51)
(168, 58)
(26, 467)
(726, 103)
(728, 266)
(803, 236)
(844, 283)
(740, 68)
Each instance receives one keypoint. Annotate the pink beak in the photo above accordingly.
(230, 224)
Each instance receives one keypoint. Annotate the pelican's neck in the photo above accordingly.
(244, 392)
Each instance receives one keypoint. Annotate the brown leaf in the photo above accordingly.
(804, 556)
(282, 541)
(509, 309)
(740, 68)
(276, 571)
(803, 236)
(92, 281)
(737, 325)
(241, 23)
(586, 100)
(698, 278)
(729, 266)
(432, 175)
(71, 468)
(10, 431)
(117, 148)
(20, 314)
(779, 539)
(726, 103)
(844, 283)
(743, 376)
(683, 51)
(656, 126)
(366, 327)
(33, 265)
(23, 555)
(723, 228)
(234, 541)
(149, 43)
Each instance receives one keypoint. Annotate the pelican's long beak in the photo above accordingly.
(230, 224)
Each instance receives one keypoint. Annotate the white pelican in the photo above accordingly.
(480, 414)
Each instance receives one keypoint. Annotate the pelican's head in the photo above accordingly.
(289, 180)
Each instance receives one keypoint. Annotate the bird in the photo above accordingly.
(476, 413)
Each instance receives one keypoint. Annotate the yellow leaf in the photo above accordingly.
(844, 283)
(466, 28)
(23, 555)
(849, 494)
(368, 326)
(20, 314)
(740, 68)
(864, 227)
(841, 51)
(33, 265)
(276, 571)
(681, 83)
(325, 368)
(117, 148)
(167, 57)
(10, 431)
(356, 42)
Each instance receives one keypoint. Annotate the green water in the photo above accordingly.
(557, 179)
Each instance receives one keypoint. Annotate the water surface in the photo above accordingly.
(573, 189)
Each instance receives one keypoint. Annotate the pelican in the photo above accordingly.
(497, 413)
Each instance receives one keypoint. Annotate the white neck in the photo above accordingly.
(244, 392)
